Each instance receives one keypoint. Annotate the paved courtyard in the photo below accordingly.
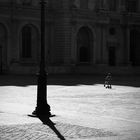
(84, 109)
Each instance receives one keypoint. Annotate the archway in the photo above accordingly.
(135, 47)
(84, 45)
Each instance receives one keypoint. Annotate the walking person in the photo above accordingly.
(107, 83)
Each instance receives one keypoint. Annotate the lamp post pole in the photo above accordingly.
(43, 108)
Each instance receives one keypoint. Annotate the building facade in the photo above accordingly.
(81, 35)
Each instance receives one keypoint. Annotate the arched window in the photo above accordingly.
(29, 43)
(26, 42)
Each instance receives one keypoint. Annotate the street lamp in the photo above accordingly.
(43, 108)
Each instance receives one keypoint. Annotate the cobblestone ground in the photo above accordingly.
(37, 131)
(84, 108)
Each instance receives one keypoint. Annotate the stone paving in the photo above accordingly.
(37, 131)
(84, 109)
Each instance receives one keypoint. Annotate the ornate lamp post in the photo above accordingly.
(43, 108)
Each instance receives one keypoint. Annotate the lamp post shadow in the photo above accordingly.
(47, 121)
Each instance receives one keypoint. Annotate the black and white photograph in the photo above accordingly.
(69, 69)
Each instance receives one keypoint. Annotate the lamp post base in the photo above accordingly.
(40, 112)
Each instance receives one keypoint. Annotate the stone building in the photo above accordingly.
(81, 35)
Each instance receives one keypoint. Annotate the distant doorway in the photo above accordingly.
(84, 46)
(112, 56)
(0, 59)
(84, 54)
(135, 47)
(3, 48)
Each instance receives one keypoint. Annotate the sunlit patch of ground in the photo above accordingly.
(77, 102)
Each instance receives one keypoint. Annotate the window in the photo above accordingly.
(112, 56)
(84, 4)
(131, 5)
(103, 4)
(113, 5)
(134, 56)
(26, 42)
(26, 2)
(112, 31)
(84, 45)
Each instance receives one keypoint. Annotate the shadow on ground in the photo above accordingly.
(47, 121)
(69, 80)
